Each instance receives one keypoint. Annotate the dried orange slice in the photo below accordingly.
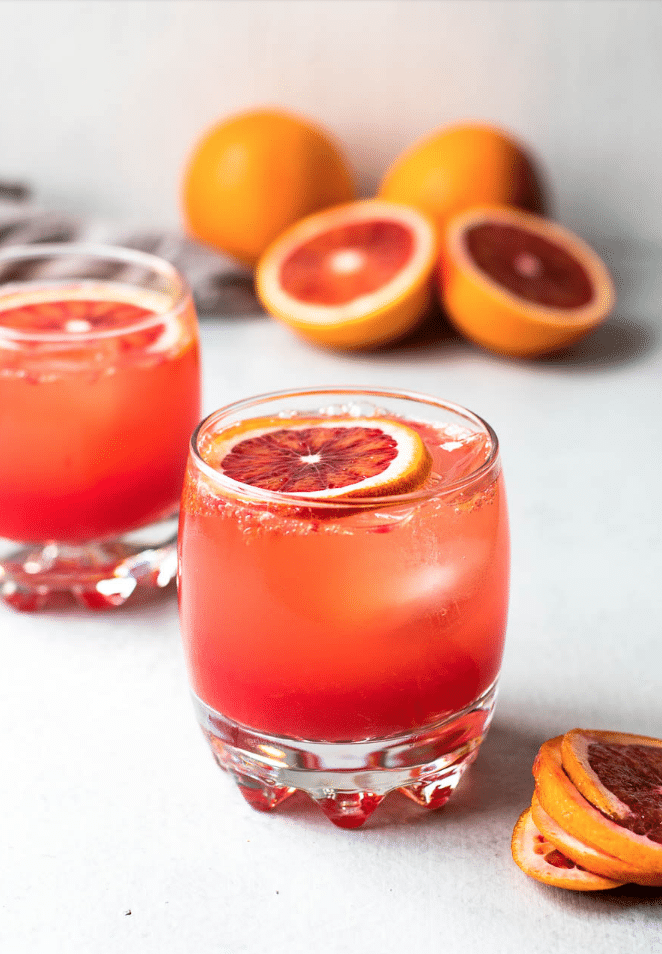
(590, 858)
(634, 840)
(619, 773)
(354, 276)
(541, 859)
(321, 458)
(519, 284)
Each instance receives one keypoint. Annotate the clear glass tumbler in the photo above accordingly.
(99, 393)
(344, 645)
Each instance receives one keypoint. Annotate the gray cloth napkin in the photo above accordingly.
(220, 286)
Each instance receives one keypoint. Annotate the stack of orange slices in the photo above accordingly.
(595, 821)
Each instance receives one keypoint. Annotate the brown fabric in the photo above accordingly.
(221, 287)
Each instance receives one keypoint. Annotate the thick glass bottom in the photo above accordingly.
(99, 574)
(348, 780)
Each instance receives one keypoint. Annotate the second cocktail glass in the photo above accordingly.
(344, 646)
(99, 393)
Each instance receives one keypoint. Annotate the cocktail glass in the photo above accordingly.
(99, 393)
(346, 648)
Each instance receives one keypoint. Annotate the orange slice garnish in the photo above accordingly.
(540, 859)
(354, 276)
(79, 314)
(519, 284)
(321, 458)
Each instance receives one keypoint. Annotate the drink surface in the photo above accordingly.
(99, 392)
(342, 623)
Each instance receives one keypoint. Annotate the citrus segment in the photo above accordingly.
(579, 818)
(324, 458)
(541, 859)
(460, 166)
(582, 854)
(354, 276)
(519, 284)
(619, 773)
(253, 175)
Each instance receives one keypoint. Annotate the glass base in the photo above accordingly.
(348, 780)
(98, 574)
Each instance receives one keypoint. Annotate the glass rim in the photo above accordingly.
(259, 495)
(181, 293)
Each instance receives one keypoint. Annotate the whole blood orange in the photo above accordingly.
(354, 276)
(253, 175)
(323, 458)
(541, 859)
(519, 284)
(453, 168)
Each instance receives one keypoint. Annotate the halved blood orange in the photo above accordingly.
(519, 284)
(321, 458)
(357, 275)
(540, 859)
(635, 840)
(582, 854)
(619, 773)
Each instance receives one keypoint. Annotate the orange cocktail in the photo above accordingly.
(99, 392)
(325, 607)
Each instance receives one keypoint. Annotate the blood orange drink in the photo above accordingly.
(99, 393)
(343, 591)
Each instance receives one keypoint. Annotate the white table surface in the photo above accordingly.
(119, 833)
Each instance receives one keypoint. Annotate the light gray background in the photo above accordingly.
(110, 802)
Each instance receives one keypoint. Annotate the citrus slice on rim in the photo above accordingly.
(357, 275)
(582, 854)
(578, 817)
(519, 284)
(619, 773)
(75, 316)
(321, 458)
(541, 859)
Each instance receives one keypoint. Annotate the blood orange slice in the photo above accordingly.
(519, 284)
(127, 326)
(541, 859)
(590, 858)
(354, 276)
(619, 773)
(635, 840)
(321, 458)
